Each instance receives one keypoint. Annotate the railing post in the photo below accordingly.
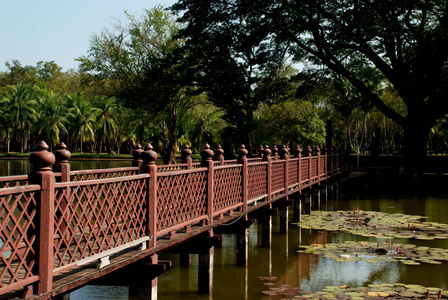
(206, 161)
(267, 157)
(331, 157)
(324, 153)
(284, 154)
(261, 151)
(308, 153)
(219, 155)
(275, 152)
(149, 166)
(317, 153)
(185, 156)
(62, 165)
(41, 174)
(138, 161)
(298, 154)
(242, 159)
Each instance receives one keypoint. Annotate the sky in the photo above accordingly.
(59, 30)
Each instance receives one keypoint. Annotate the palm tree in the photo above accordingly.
(5, 130)
(52, 116)
(21, 103)
(106, 121)
(82, 117)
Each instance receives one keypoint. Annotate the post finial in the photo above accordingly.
(61, 154)
(148, 155)
(41, 159)
(242, 152)
(207, 153)
(136, 152)
(185, 154)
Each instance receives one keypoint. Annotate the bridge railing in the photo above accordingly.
(63, 219)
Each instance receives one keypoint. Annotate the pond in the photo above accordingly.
(9, 167)
(308, 271)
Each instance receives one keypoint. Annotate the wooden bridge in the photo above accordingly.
(62, 229)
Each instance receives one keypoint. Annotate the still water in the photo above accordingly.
(281, 260)
(9, 167)
(309, 272)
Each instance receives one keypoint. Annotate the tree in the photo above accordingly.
(21, 109)
(236, 62)
(107, 121)
(52, 118)
(292, 123)
(82, 117)
(405, 40)
(17, 74)
(137, 63)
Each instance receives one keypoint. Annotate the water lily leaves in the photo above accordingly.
(375, 224)
(350, 251)
(372, 291)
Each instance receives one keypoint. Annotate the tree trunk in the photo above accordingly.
(415, 140)
(80, 144)
(169, 156)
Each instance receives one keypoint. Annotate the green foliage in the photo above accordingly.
(237, 63)
(20, 106)
(405, 40)
(291, 123)
(52, 112)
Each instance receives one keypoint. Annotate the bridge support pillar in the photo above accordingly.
(297, 199)
(241, 248)
(264, 217)
(283, 211)
(316, 198)
(147, 292)
(203, 246)
(336, 190)
(330, 190)
(324, 193)
(184, 259)
(239, 228)
(266, 231)
(308, 199)
(283, 214)
(205, 271)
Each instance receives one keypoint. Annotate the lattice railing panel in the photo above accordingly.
(331, 163)
(12, 181)
(181, 198)
(313, 167)
(278, 176)
(304, 169)
(293, 175)
(228, 187)
(257, 180)
(230, 162)
(102, 174)
(171, 168)
(17, 234)
(94, 216)
(321, 168)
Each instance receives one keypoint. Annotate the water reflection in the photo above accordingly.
(308, 271)
(10, 167)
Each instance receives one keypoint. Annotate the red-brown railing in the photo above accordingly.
(63, 219)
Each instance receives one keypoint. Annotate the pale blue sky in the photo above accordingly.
(59, 30)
